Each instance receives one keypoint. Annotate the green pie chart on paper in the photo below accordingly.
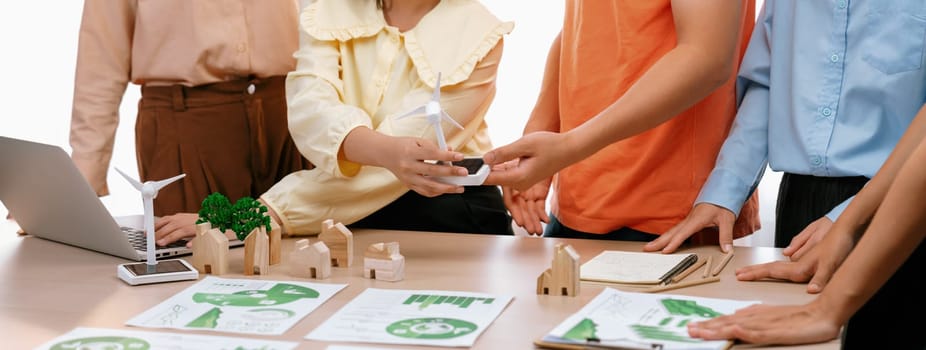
(280, 293)
(431, 328)
(103, 343)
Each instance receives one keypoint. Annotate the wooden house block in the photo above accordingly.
(257, 252)
(310, 260)
(340, 242)
(382, 261)
(562, 278)
(210, 250)
(275, 243)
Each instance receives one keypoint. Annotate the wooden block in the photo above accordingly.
(210, 250)
(681, 285)
(257, 252)
(707, 267)
(310, 260)
(723, 263)
(275, 243)
(562, 278)
(382, 261)
(340, 242)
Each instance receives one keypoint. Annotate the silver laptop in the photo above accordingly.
(49, 198)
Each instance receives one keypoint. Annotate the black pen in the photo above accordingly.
(689, 260)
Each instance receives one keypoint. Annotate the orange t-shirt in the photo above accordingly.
(647, 182)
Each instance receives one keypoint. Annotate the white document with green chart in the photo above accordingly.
(238, 306)
(415, 317)
(99, 338)
(625, 320)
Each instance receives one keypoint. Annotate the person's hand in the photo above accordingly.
(816, 266)
(408, 162)
(703, 215)
(171, 228)
(808, 238)
(540, 155)
(768, 324)
(799, 271)
(528, 208)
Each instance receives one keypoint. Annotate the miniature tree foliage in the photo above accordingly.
(249, 214)
(216, 210)
(242, 217)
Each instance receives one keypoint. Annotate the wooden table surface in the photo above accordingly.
(49, 288)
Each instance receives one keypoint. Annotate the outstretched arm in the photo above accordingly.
(895, 231)
(702, 60)
(528, 207)
(819, 264)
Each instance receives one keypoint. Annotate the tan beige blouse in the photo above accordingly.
(163, 42)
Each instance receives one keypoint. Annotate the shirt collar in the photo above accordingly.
(451, 39)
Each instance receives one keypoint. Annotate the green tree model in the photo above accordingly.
(216, 210)
(247, 215)
(242, 217)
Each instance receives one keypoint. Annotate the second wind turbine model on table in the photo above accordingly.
(436, 114)
(178, 269)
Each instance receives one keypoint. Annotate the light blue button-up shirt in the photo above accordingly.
(826, 88)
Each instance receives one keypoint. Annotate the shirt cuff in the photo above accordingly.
(725, 189)
(837, 211)
(268, 199)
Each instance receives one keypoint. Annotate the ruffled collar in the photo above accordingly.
(472, 28)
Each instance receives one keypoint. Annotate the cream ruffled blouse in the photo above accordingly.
(353, 69)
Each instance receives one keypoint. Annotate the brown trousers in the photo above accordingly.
(229, 137)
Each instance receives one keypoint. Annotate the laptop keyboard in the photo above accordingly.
(140, 240)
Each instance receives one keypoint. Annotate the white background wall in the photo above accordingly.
(39, 46)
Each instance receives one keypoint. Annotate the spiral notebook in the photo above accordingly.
(616, 266)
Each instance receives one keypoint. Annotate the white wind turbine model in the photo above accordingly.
(477, 169)
(435, 113)
(149, 190)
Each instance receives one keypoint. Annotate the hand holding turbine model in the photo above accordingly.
(436, 114)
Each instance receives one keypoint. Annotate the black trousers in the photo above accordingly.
(888, 319)
(802, 199)
(556, 229)
(883, 321)
(479, 209)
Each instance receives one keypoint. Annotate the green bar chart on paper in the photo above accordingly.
(462, 302)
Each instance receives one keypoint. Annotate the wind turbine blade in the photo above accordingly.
(132, 181)
(436, 95)
(449, 119)
(160, 184)
(416, 111)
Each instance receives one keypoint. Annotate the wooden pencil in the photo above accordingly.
(681, 285)
(697, 265)
(723, 263)
(707, 269)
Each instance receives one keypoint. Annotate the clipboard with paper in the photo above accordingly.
(627, 320)
(622, 267)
